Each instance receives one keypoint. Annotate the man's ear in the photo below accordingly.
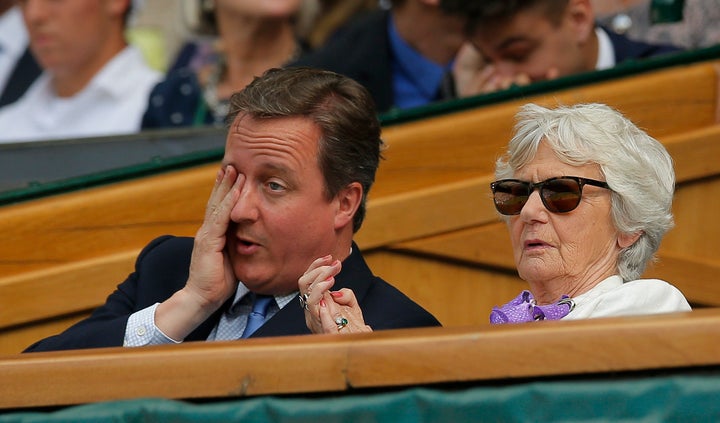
(117, 7)
(626, 240)
(582, 18)
(348, 201)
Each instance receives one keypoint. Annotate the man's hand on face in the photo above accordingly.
(211, 280)
(211, 277)
(474, 75)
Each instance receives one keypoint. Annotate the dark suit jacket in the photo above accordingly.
(362, 52)
(627, 49)
(162, 269)
(24, 73)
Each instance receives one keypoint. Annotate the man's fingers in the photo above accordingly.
(217, 216)
(221, 180)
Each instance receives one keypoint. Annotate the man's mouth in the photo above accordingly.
(246, 245)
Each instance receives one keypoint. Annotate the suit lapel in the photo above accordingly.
(23, 75)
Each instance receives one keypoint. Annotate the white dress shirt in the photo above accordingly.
(112, 103)
(13, 42)
(612, 297)
(606, 51)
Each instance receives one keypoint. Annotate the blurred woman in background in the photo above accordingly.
(247, 37)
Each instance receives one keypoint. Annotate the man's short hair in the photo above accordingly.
(494, 12)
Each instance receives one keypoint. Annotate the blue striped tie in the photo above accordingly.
(257, 316)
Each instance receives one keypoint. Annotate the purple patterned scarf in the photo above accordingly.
(524, 309)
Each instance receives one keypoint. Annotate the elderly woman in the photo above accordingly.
(587, 199)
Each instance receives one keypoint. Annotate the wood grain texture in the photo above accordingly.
(330, 363)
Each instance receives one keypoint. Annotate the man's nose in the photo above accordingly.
(247, 206)
(33, 10)
(505, 68)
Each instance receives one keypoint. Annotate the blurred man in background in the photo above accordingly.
(93, 82)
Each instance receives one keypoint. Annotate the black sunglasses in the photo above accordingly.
(559, 195)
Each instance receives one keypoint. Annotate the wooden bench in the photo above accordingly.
(431, 228)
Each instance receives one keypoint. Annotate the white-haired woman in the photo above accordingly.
(587, 199)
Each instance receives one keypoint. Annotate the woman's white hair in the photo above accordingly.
(637, 168)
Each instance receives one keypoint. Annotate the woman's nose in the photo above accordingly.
(534, 208)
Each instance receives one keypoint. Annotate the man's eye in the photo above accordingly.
(274, 186)
(518, 54)
(518, 57)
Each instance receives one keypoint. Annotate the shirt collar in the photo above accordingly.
(606, 54)
(113, 78)
(281, 300)
(606, 285)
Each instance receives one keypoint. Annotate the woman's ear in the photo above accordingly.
(626, 240)
(348, 201)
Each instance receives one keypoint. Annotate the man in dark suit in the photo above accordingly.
(403, 56)
(301, 154)
(523, 41)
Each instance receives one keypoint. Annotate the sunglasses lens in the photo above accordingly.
(561, 195)
(510, 196)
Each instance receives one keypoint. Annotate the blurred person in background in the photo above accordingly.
(517, 42)
(93, 83)
(403, 55)
(333, 17)
(245, 38)
(690, 24)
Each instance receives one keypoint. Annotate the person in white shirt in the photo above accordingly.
(13, 39)
(93, 84)
(587, 198)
